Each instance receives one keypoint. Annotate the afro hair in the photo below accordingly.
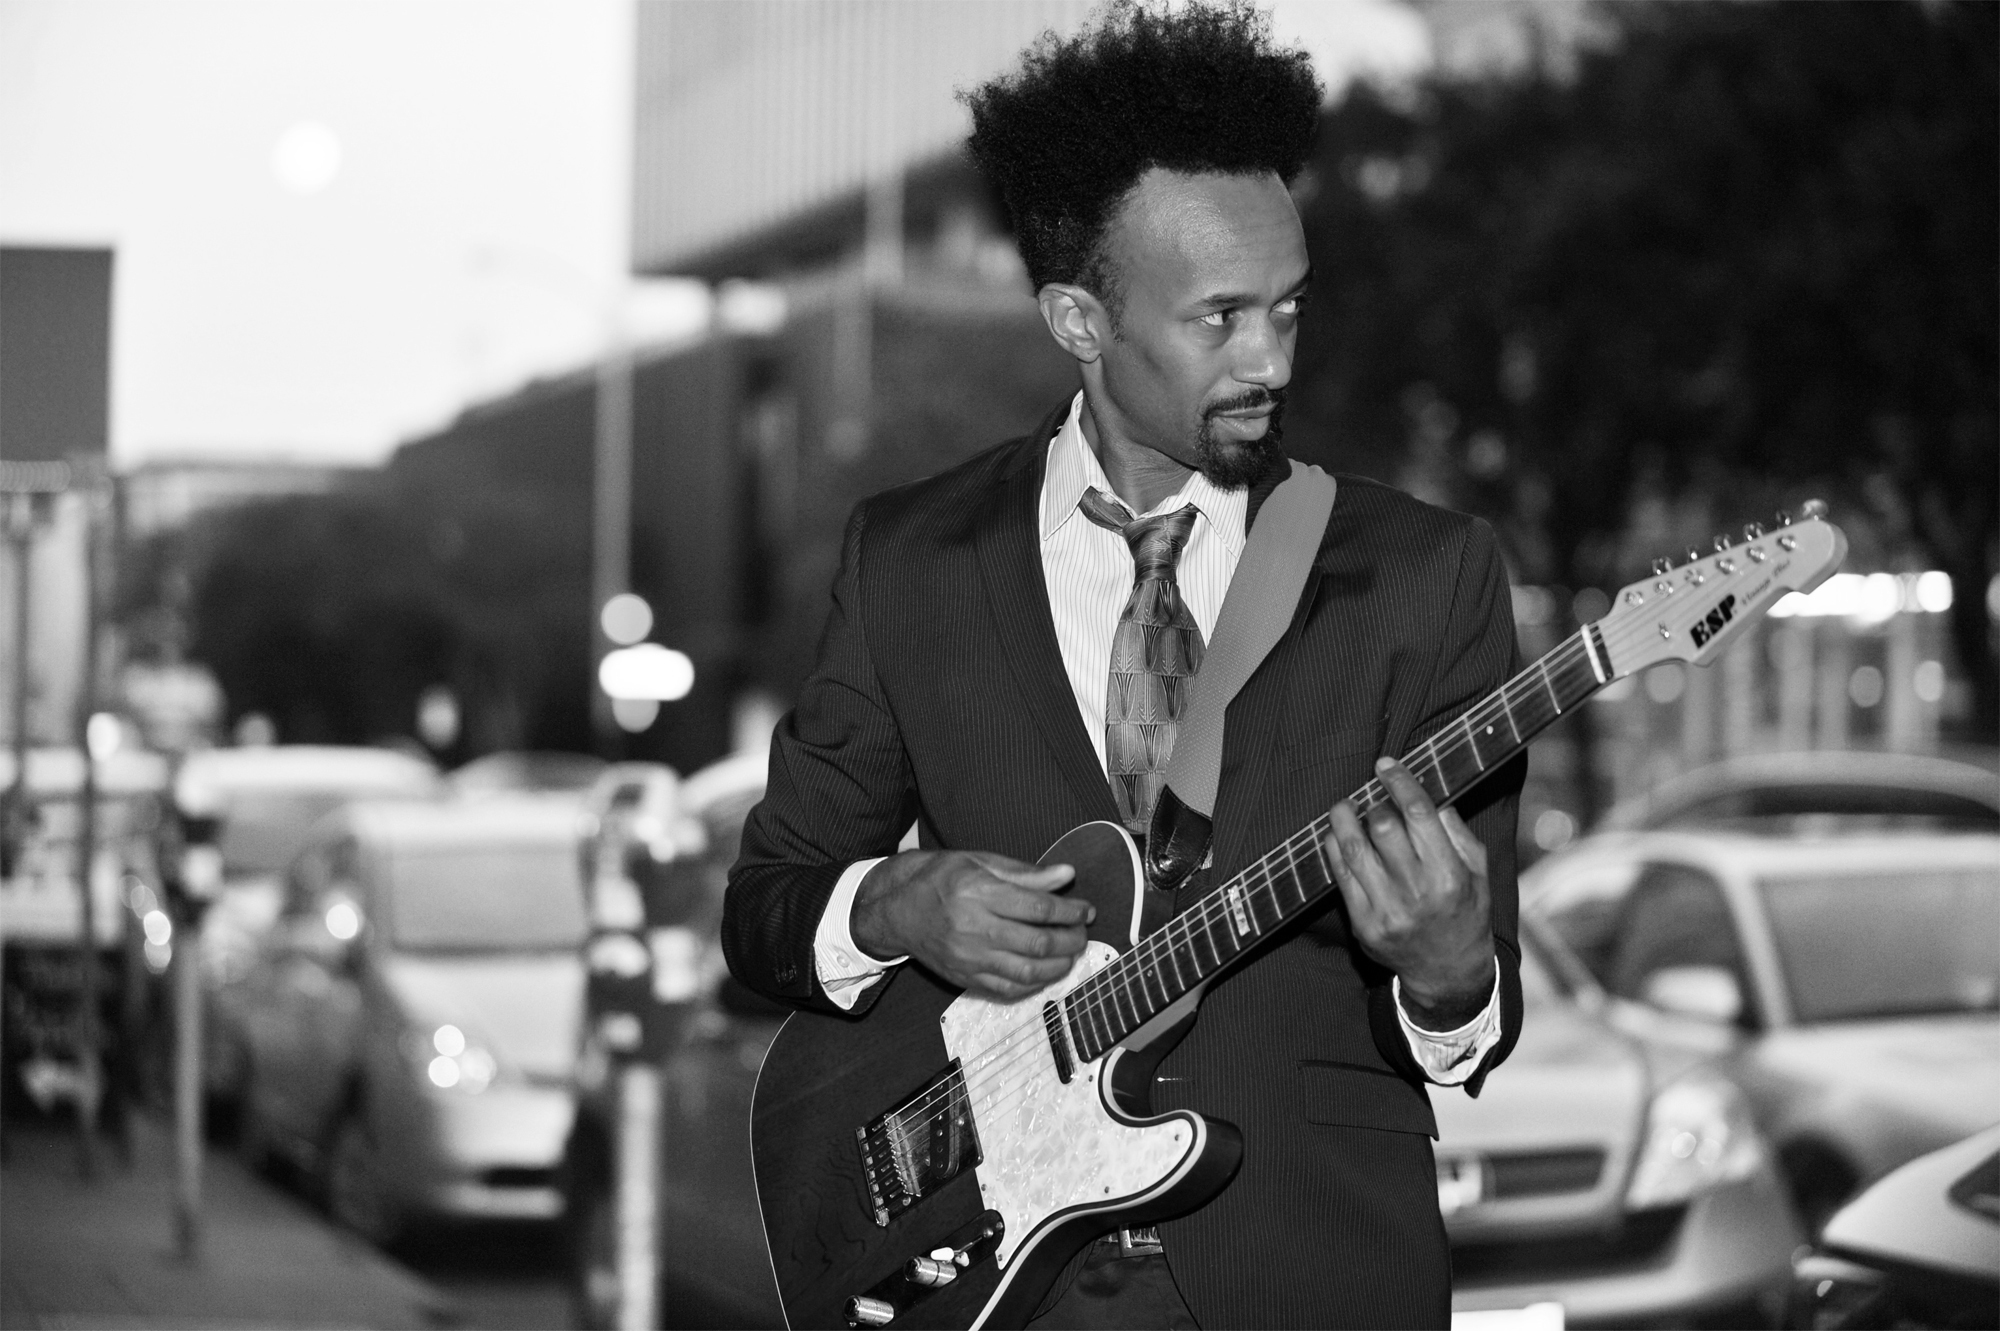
(1201, 88)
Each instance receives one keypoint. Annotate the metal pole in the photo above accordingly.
(611, 516)
(89, 1036)
(638, 1201)
(187, 1085)
(21, 535)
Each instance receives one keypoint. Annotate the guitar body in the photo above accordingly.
(1059, 1161)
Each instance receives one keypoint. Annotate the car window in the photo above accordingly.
(485, 898)
(1675, 915)
(1859, 945)
(263, 829)
(1581, 907)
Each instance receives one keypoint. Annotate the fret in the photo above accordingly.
(1152, 967)
(1123, 1007)
(1507, 709)
(1472, 741)
(1543, 666)
(1174, 955)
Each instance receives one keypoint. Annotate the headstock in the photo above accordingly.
(1688, 613)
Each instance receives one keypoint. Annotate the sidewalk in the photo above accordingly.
(76, 1254)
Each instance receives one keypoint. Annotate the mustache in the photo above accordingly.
(1249, 400)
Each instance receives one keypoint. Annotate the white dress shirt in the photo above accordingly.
(1088, 572)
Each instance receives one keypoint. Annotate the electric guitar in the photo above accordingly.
(937, 1163)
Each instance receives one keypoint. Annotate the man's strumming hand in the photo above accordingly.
(993, 926)
(1414, 879)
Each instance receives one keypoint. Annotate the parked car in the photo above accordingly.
(1849, 985)
(1921, 1248)
(1569, 1181)
(266, 800)
(411, 1016)
(531, 771)
(41, 925)
(1903, 788)
(1623, 1181)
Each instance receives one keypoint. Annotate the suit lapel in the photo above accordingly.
(1017, 595)
(1252, 731)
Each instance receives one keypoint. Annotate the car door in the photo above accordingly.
(284, 987)
(330, 1012)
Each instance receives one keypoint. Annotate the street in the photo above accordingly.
(101, 1253)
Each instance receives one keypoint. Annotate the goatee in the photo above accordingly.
(1233, 464)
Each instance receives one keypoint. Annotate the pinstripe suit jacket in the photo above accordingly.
(940, 696)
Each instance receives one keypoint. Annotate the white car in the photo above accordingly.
(1849, 984)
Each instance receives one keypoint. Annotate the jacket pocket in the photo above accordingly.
(1350, 1096)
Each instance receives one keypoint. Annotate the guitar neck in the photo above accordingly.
(1229, 920)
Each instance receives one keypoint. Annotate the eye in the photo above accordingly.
(1290, 307)
(1215, 319)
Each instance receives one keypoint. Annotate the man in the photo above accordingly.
(991, 624)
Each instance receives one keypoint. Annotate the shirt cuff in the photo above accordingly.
(844, 970)
(1449, 1057)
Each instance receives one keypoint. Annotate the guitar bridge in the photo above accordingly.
(919, 1146)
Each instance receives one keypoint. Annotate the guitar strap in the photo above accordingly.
(1262, 598)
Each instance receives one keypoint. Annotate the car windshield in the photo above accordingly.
(1889, 944)
(486, 899)
(264, 829)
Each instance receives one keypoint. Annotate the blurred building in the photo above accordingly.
(165, 495)
(55, 362)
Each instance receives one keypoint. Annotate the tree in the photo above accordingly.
(1738, 254)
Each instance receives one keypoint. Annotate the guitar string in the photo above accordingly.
(1100, 991)
(1106, 986)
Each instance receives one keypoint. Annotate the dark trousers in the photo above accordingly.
(1118, 1293)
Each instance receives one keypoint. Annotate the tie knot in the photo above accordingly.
(1156, 542)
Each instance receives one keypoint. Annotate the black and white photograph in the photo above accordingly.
(958, 664)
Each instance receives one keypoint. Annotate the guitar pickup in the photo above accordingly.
(918, 1147)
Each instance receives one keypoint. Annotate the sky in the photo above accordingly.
(338, 222)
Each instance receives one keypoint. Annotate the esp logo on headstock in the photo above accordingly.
(1713, 622)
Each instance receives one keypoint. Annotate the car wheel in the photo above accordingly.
(256, 1140)
(594, 1257)
(1819, 1182)
(355, 1195)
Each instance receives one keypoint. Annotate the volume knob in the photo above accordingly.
(864, 1311)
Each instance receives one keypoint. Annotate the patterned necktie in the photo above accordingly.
(1155, 652)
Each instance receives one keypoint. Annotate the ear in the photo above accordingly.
(1077, 320)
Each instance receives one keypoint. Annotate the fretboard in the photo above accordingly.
(1231, 919)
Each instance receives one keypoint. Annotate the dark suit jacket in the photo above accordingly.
(940, 696)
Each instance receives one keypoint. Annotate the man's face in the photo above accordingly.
(1213, 270)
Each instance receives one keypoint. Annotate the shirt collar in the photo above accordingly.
(1073, 468)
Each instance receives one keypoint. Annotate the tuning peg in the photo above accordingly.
(1752, 530)
(1813, 508)
(1784, 518)
(1693, 554)
(1721, 543)
(1662, 566)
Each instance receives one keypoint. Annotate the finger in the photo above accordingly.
(1469, 847)
(1004, 937)
(1419, 813)
(1391, 839)
(1037, 877)
(1012, 902)
(1355, 867)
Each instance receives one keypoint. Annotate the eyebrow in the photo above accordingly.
(1228, 300)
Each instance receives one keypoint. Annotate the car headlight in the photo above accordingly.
(1699, 1136)
(449, 1061)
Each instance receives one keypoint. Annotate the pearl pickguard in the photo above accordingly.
(1048, 1147)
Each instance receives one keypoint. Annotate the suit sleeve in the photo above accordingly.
(1477, 656)
(839, 790)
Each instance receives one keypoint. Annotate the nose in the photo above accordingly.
(1264, 353)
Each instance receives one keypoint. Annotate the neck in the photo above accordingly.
(1140, 475)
